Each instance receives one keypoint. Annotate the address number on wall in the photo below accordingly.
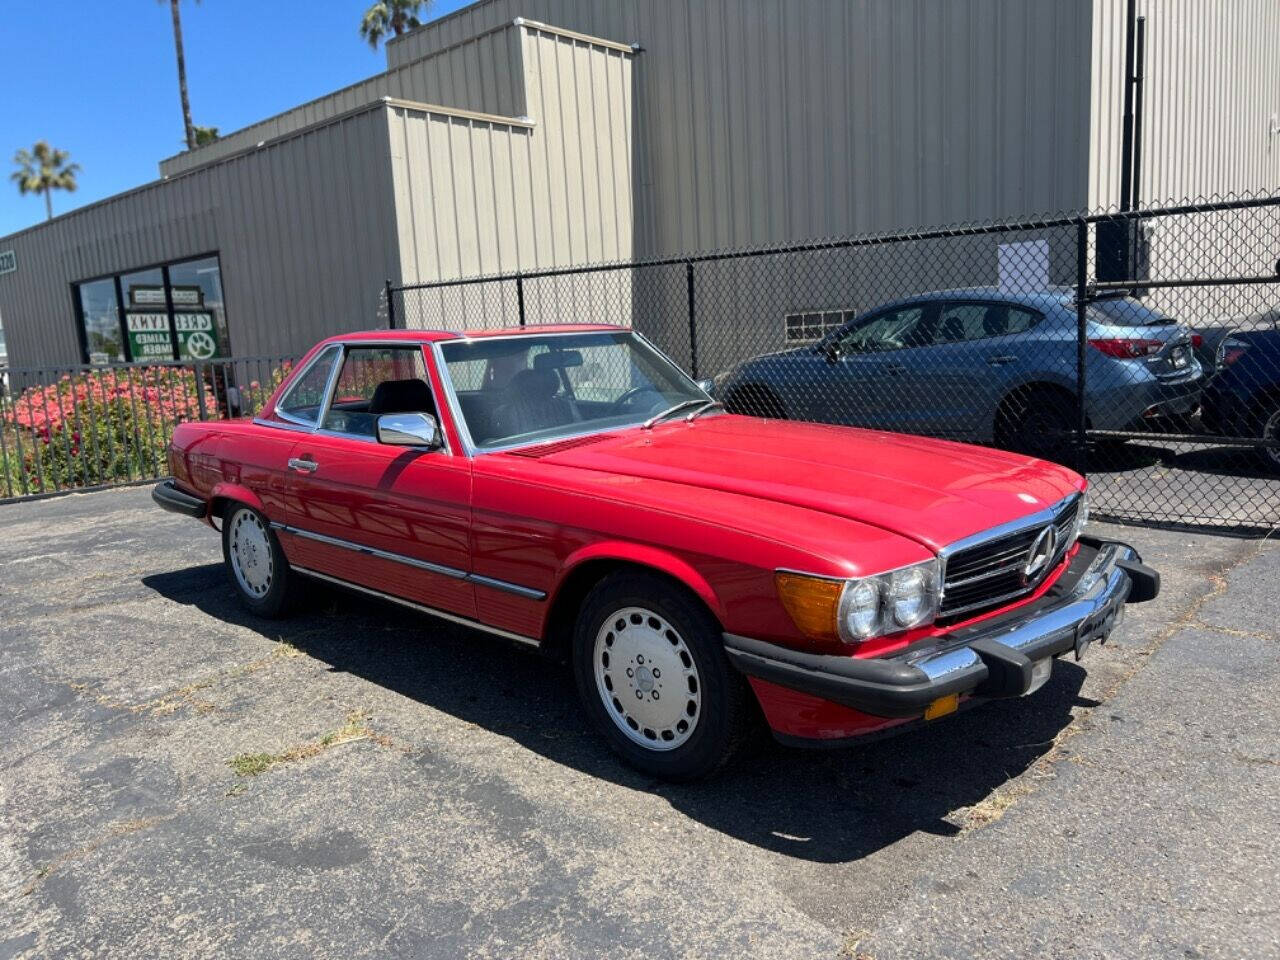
(8, 261)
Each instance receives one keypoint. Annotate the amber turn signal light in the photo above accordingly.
(811, 602)
(942, 706)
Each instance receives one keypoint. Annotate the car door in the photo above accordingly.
(261, 454)
(977, 351)
(873, 369)
(391, 519)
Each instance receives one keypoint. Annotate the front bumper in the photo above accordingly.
(993, 658)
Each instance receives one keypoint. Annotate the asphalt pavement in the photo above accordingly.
(183, 780)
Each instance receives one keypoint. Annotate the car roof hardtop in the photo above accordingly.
(433, 336)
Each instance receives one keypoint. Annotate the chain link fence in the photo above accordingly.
(87, 427)
(1141, 348)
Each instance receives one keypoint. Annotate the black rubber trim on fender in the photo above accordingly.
(884, 688)
(167, 495)
(1146, 581)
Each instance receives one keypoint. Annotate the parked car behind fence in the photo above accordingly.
(983, 365)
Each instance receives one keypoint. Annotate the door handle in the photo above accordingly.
(306, 466)
(895, 369)
(1001, 359)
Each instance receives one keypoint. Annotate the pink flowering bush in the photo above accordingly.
(98, 427)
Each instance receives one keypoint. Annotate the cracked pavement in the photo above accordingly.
(409, 788)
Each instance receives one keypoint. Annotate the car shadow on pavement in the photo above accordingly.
(820, 805)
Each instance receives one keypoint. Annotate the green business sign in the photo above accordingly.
(151, 338)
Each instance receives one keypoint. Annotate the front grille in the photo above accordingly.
(989, 573)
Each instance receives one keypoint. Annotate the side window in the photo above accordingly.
(1020, 321)
(374, 381)
(895, 330)
(302, 401)
(978, 321)
(965, 321)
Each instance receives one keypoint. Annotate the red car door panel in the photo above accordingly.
(393, 519)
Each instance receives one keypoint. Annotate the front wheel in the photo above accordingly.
(651, 671)
(255, 563)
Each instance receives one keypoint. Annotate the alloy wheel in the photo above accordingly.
(647, 679)
(251, 559)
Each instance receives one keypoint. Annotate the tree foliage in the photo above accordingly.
(390, 17)
(42, 169)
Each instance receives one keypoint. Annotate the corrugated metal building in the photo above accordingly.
(734, 122)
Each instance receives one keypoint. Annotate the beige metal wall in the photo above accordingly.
(1211, 123)
(304, 245)
(759, 121)
(480, 73)
(476, 198)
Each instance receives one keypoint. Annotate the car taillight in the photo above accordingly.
(1197, 341)
(1230, 350)
(1125, 348)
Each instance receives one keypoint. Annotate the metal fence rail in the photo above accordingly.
(1140, 348)
(77, 427)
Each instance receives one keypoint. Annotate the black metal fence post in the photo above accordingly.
(1082, 315)
(198, 370)
(520, 296)
(391, 306)
(693, 323)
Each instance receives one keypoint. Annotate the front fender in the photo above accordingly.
(642, 555)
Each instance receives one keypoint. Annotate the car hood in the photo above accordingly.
(932, 491)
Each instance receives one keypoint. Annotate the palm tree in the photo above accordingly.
(182, 74)
(43, 170)
(395, 16)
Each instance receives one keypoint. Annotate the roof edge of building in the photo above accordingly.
(379, 103)
(517, 23)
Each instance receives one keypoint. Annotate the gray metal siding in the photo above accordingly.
(1212, 88)
(759, 121)
(305, 230)
(478, 73)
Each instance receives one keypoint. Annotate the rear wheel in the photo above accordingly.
(651, 671)
(1270, 456)
(255, 563)
(754, 400)
(1039, 423)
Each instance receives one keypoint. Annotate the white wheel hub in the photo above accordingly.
(251, 553)
(647, 679)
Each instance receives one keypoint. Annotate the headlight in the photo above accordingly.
(864, 607)
(859, 612)
(1082, 516)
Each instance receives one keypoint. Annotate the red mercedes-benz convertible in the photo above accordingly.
(570, 488)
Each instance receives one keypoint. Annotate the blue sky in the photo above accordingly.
(98, 79)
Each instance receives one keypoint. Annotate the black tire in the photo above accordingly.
(722, 719)
(277, 595)
(754, 400)
(1039, 423)
(1269, 429)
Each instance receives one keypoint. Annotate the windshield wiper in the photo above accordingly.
(706, 406)
(675, 408)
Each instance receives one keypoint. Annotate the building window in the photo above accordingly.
(173, 311)
(100, 321)
(814, 324)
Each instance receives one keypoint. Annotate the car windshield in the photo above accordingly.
(527, 388)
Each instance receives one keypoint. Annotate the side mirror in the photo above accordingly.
(707, 386)
(830, 350)
(410, 430)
